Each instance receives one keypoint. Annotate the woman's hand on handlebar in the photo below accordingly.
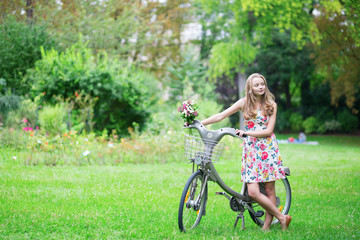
(240, 133)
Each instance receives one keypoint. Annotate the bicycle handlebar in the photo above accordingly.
(215, 135)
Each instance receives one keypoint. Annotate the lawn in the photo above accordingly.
(141, 201)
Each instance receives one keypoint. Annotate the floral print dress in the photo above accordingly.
(261, 161)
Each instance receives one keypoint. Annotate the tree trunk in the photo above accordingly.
(241, 83)
(29, 10)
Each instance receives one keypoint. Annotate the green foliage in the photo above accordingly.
(146, 33)
(209, 108)
(8, 103)
(285, 66)
(19, 50)
(349, 122)
(311, 125)
(296, 122)
(51, 119)
(164, 118)
(26, 111)
(330, 126)
(282, 120)
(187, 79)
(123, 92)
(230, 57)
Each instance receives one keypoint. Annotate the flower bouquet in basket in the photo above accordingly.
(188, 111)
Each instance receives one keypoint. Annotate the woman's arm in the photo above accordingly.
(261, 133)
(239, 105)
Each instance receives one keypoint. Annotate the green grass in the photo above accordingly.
(141, 200)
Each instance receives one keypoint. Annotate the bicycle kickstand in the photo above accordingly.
(240, 215)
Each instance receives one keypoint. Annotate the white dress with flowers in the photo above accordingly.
(261, 161)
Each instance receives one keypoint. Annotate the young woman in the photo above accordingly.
(261, 161)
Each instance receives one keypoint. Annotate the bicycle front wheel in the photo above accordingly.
(283, 201)
(193, 202)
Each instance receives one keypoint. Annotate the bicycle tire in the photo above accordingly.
(190, 216)
(282, 191)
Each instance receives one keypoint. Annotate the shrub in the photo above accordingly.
(123, 91)
(7, 104)
(311, 125)
(330, 126)
(283, 120)
(296, 122)
(51, 119)
(348, 121)
(25, 114)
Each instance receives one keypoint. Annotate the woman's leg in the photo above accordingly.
(265, 202)
(270, 193)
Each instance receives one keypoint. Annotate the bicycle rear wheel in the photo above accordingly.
(283, 201)
(192, 203)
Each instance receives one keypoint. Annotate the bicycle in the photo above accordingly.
(202, 152)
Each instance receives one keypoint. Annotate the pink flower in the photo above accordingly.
(37, 128)
(25, 120)
(250, 124)
(264, 155)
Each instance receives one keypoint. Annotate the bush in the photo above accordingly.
(7, 104)
(123, 92)
(330, 126)
(283, 120)
(296, 122)
(311, 125)
(51, 119)
(348, 121)
(24, 115)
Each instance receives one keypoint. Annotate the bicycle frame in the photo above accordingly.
(209, 138)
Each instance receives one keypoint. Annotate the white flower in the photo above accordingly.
(87, 152)
(14, 157)
(86, 139)
(39, 141)
(110, 145)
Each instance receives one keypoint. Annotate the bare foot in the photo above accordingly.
(286, 222)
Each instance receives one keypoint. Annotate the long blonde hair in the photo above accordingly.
(267, 100)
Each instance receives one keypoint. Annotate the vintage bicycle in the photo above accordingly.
(202, 152)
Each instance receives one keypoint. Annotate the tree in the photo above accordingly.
(287, 68)
(144, 32)
(19, 50)
(339, 50)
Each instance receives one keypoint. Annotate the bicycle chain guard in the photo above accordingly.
(235, 206)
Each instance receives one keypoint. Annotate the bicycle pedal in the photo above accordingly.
(259, 214)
